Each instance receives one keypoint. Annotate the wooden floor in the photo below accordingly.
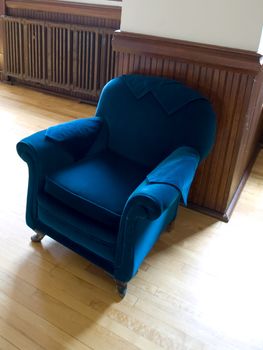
(201, 288)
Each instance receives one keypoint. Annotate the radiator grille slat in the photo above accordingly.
(75, 58)
(14, 40)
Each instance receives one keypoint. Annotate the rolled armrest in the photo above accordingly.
(75, 136)
(148, 211)
(42, 155)
(150, 200)
(50, 150)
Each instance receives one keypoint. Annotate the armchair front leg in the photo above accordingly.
(121, 288)
(37, 237)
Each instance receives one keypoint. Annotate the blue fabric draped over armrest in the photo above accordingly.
(75, 136)
(177, 170)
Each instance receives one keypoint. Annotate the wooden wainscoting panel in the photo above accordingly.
(2, 12)
(230, 79)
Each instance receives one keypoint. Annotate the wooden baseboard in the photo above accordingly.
(55, 92)
(206, 211)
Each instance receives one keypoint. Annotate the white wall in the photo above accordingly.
(231, 23)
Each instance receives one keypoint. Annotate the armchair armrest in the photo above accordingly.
(151, 207)
(49, 150)
(148, 211)
(75, 136)
(177, 170)
(149, 201)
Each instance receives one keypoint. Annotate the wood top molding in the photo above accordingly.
(73, 8)
(2, 7)
(201, 53)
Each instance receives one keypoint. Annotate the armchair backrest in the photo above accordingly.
(149, 117)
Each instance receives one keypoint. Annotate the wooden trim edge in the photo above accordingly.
(241, 185)
(248, 61)
(206, 211)
(79, 9)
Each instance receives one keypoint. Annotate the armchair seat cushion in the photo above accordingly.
(97, 186)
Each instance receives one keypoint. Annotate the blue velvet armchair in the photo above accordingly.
(107, 186)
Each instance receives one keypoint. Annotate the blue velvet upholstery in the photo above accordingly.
(107, 186)
(75, 137)
(97, 186)
(178, 170)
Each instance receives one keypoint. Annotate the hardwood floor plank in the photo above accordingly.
(6, 345)
(36, 328)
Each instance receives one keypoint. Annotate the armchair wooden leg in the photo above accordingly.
(121, 288)
(37, 237)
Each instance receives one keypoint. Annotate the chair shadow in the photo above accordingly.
(187, 226)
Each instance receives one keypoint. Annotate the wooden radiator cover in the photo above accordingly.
(70, 57)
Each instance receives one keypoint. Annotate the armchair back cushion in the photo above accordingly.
(149, 117)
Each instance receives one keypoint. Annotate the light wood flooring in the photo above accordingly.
(201, 288)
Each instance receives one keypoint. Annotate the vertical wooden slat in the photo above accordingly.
(87, 60)
(49, 54)
(25, 50)
(79, 59)
(69, 57)
(108, 58)
(21, 63)
(34, 51)
(3, 42)
(75, 47)
(40, 64)
(57, 55)
(16, 48)
(12, 49)
(63, 56)
(91, 63)
(30, 50)
(60, 57)
(102, 52)
(95, 86)
(83, 63)
(7, 47)
(53, 54)
(43, 48)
